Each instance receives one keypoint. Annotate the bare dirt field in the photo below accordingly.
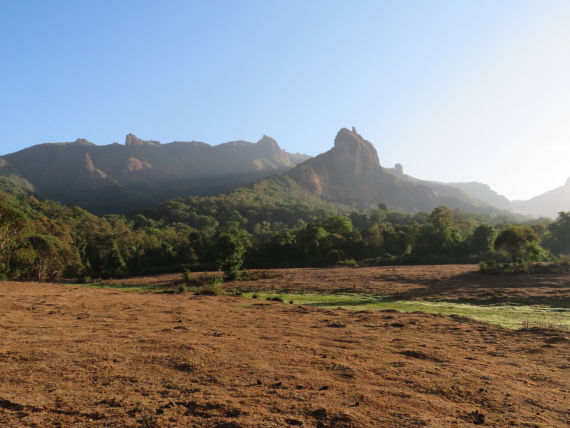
(75, 356)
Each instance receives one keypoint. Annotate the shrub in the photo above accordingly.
(231, 274)
(561, 265)
(187, 278)
(244, 274)
(493, 267)
(213, 285)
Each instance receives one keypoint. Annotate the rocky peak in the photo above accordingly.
(355, 153)
(268, 148)
(132, 140)
(568, 182)
(269, 142)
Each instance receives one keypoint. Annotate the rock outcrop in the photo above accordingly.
(133, 141)
(351, 172)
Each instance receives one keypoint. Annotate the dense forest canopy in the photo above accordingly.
(46, 240)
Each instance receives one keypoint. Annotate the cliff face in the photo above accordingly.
(356, 156)
(351, 172)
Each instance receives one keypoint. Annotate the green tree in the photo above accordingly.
(441, 218)
(482, 239)
(280, 248)
(14, 226)
(114, 263)
(311, 241)
(48, 255)
(231, 247)
(515, 240)
(558, 239)
(436, 241)
(438, 236)
(339, 224)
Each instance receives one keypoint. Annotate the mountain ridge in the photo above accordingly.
(140, 173)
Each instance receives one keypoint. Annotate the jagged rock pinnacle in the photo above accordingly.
(270, 149)
(356, 153)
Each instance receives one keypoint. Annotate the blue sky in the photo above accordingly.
(471, 90)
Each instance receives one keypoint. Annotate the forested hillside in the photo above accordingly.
(43, 240)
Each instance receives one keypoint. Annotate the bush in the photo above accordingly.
(561, 265)
(231, 274)
(213, 285)
(519, 267)
(187, 278)
(244, 274)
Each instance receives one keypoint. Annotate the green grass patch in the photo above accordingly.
(505, 315)
(153, 288)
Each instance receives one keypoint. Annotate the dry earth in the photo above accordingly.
(80, 357)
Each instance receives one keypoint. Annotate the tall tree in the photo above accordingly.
(515, 239)
(231, 246)
(14, 226)
(558, 240)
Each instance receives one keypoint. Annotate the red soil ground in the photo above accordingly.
(79, 357)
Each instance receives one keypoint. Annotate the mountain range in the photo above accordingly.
(141, 173)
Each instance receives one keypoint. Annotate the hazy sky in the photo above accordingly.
(456, 90)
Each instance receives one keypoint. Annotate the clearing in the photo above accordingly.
(80, 356)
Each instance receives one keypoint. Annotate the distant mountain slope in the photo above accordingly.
(115, 178)
(485, 194)
(548, 204)
(473, 192)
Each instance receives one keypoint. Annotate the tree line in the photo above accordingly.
(46, 240)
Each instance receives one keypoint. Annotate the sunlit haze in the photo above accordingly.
(453, 90)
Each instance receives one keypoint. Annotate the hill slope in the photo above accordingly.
(548, 204)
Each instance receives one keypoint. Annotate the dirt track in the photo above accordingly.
(74, 356)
